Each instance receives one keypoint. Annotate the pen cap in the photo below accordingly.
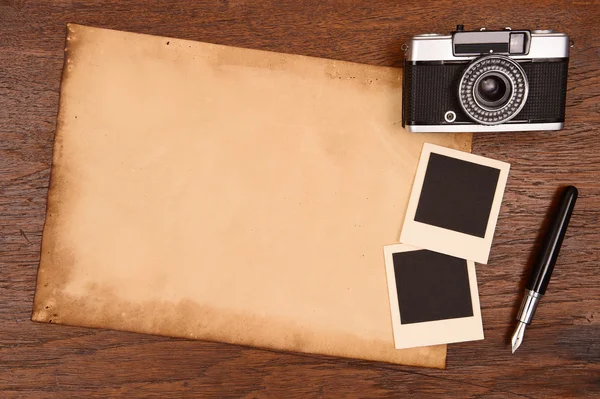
(542, 269)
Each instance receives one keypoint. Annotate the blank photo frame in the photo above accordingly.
(454, 203)
(433, 297)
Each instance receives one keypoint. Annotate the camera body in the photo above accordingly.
(477, 81)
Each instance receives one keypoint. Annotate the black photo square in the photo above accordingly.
(431, 286)
(457, 195)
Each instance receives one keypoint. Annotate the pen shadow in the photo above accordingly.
(531, 261)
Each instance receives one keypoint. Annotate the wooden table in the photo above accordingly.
(560, 357)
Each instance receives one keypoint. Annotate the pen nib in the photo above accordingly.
(517, 337)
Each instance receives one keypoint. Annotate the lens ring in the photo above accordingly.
(500, 66)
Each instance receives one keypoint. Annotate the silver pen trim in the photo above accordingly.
(528, 306)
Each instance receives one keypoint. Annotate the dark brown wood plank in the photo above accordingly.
(560, 357)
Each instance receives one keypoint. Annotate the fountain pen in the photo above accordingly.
(542, 269)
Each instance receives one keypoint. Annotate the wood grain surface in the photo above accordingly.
(560, 357)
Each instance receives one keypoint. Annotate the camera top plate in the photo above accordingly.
(463, 45)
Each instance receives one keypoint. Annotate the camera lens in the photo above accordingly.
(492, 90)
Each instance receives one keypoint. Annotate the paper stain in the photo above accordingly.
(187, 319)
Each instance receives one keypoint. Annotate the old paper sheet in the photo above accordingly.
(227, 194)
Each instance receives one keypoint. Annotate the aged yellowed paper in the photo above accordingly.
(227, 194)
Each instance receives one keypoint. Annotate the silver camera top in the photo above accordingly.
(461, 45)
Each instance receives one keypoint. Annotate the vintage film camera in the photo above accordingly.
(478, 81)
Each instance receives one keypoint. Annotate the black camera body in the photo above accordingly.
(480, 81)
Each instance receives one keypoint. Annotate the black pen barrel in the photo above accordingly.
(542, 270)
